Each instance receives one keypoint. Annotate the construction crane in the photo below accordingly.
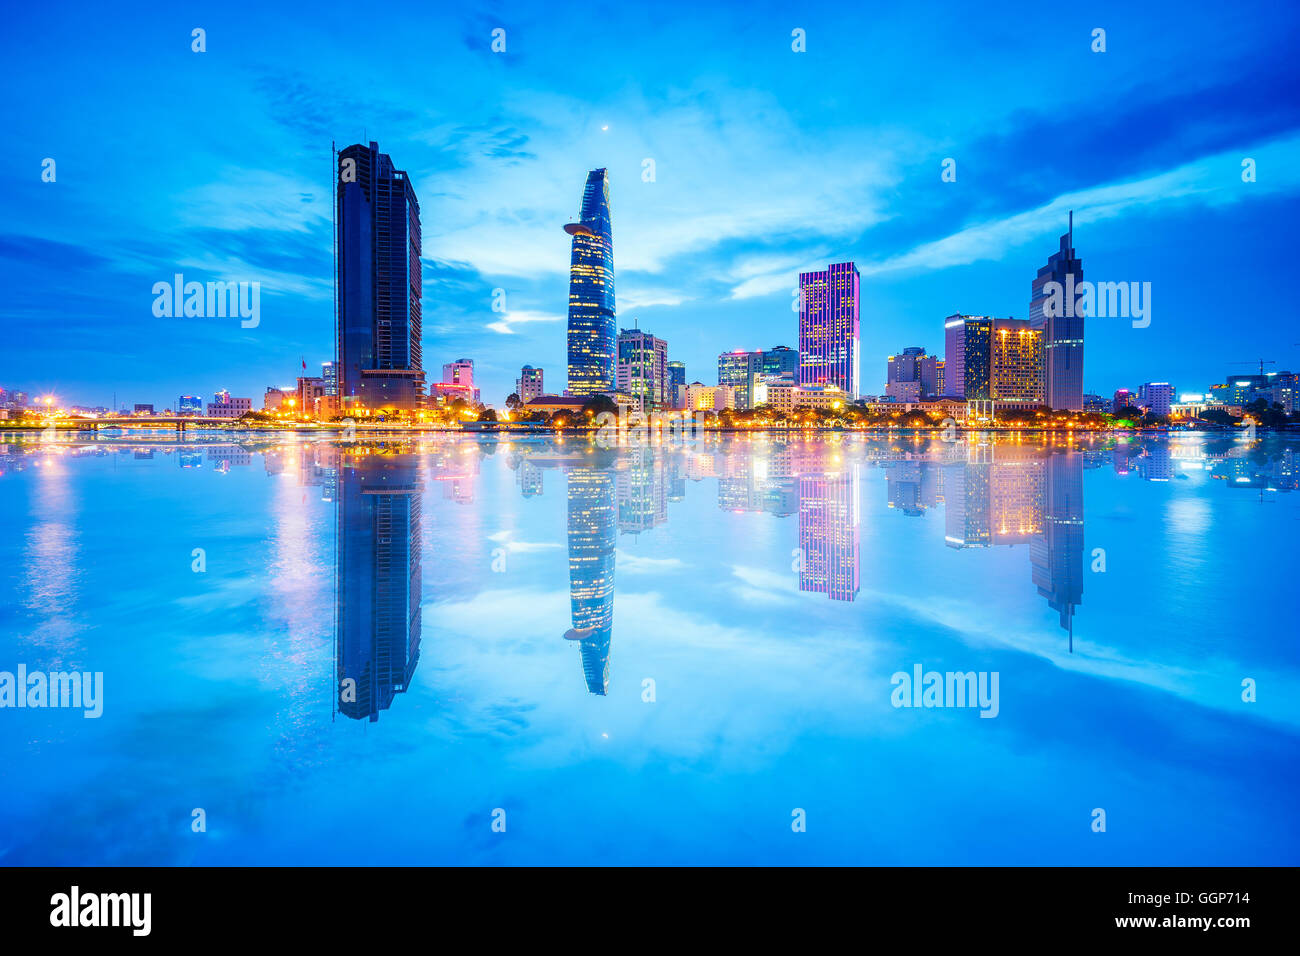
(1262, 363)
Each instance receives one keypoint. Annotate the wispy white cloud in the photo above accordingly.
(507, 540)
(505, 325)
(636, 564)
(1211, 180)
(726, 169)
(256, 199)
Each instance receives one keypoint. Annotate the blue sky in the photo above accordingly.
(767, 162)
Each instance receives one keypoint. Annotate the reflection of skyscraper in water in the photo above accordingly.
(994, 499)
(592, 530)
(913, 486)
(829, 534)
(968, 519)
(1156, 463)
(378, 585)
(759, 482)
(642, 492)
(1056, 555)
(529, 478)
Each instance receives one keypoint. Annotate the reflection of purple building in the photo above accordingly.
(829, 535)
(828, 327)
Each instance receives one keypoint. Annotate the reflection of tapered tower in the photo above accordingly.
(378, 585)
(1056, 555)
(829, 534)
(592, 530)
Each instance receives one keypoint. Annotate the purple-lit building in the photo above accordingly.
(828, 327)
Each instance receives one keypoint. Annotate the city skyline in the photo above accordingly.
(711, 245)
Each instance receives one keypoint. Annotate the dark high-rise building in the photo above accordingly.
(377, 284)
(378, 581)
(828, 327)
(968, 362)
(780, 362)
(676, 396)
(592, 327)
(1062, 334)
(592, 531)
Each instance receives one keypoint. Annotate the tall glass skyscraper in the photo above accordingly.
(592, 328)
(968, 356)
(377, 283)
(828, 327)
(1062, 334)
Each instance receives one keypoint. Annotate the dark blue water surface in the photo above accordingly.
(369, 652)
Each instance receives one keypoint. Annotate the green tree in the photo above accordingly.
(1218, 416)
(595, 404)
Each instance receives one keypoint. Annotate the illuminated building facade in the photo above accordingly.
(643, 369)
(529, 384)
(377, 283)
(591, 334)
(1016, 361)
(788, 398)
(701, 397)
(968, 358)
(744, 372)
(460, 375)
(1156, 397)
(829, 327)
